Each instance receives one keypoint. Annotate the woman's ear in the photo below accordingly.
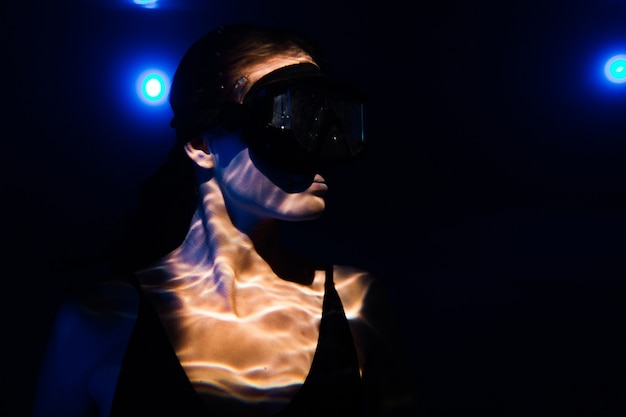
(198, 151)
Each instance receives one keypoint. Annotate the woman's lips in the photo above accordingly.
(318, 185)
(303, 183)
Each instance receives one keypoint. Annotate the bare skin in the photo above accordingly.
(240, 308)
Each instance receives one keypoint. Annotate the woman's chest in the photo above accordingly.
(258, 351)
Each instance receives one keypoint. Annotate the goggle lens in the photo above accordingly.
(313, 120)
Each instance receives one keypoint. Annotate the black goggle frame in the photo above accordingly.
(297, 119)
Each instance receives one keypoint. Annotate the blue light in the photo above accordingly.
(148, 4)
(153, 87)
(615, 69)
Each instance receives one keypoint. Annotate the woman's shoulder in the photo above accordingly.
(363, 295)
(94, 313)
(97, 314)
(352, 284)
(106, 300)
(349, 275)
(101, 309)
(379, 340)
(87, 341)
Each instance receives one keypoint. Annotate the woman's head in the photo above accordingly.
(207, 96)
(216, 75)
(208, 75)
(269, 84)
(222, 65)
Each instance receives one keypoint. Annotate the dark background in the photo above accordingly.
(492, 203)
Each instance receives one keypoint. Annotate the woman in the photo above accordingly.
(220, 317)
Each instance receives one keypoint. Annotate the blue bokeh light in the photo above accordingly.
(148, 4)
(152, 87)
(615, 69)
(604, 73)
(139, 85)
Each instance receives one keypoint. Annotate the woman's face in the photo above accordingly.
(252, 187)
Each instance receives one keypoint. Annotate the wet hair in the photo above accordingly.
(200, 86)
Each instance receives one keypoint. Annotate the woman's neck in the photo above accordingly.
(222, 253)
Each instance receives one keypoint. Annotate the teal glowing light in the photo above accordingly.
(615, 69)
(153, 87)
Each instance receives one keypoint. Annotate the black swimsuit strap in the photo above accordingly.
(333, 386)
(152, 382)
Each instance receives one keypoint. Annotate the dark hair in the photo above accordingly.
(169, 196)
(208, 71)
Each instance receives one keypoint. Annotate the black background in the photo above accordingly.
(492, 202)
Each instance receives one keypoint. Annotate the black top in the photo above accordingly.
(153, 383)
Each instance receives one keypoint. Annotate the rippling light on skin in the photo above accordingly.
(271, 317)
(253, 342)
(615, 69)
(152, 87)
